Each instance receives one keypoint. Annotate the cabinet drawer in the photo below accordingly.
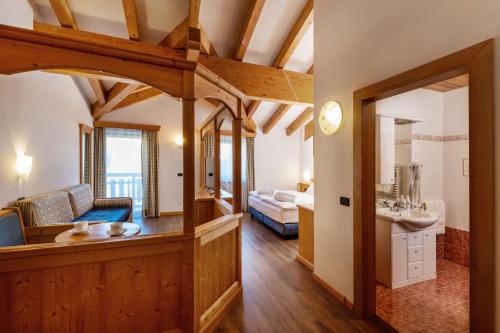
(414, 269)
(414, 238)
(415, 253)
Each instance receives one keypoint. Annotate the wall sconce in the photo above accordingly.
(330, 118)
(179, 140)
(23, 166)
(307, 175)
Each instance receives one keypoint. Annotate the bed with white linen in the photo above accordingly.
(278, 209)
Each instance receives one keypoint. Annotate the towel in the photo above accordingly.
(284, 197)
(415, 179)
(440, 207)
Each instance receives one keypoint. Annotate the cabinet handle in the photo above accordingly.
(416, 251)
(415, 267)
(404, 238)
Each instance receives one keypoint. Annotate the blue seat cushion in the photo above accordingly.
(10, 230)
(108, 214)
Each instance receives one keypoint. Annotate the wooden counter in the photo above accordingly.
(306, 235)
(204, 205)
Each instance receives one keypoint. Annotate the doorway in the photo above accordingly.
(477, 61)
(123, 166)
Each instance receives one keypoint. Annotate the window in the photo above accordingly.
(123, 165)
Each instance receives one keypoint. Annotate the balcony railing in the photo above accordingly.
(124, 185)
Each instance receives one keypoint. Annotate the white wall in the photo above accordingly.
(456, 186)
(306, 156)
(39, 115)
(351, 53)
(277, 160)
(167, 113)
(426, 106)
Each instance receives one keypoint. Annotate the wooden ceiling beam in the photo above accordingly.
(130, 12)
(299, 29)
(262, 83)
(275, 118)
(89, 74)
(194, 13)
(139, 95)
(253, 81)
(176, 38)
(63, 13)
(299, 121)
(115, 95)
(251, 20)
(98, 90)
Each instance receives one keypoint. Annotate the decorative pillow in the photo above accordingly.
(266, 192)
(284, 197)
(52, 209)
(81, 199)
(310, 189)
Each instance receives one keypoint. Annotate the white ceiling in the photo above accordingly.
(221, 19)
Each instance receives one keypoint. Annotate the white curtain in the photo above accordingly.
(226, 167)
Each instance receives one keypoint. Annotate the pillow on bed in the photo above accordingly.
(310, 189)
(284, 197)
(266, 192)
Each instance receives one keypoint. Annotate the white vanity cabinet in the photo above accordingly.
(403, 256)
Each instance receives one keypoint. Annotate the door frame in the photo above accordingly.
(477, 61)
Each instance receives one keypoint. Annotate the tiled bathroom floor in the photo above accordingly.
(439, 305)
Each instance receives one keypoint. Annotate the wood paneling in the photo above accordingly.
(251, 20)
(306, 236)
(218, 268)
(126, 288)
(131, 19)
(275, 118)
(299, 121)
(450, 84)
(477, 61)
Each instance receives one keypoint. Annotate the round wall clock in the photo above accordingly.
(330, 118)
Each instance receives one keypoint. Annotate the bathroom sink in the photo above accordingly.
(414, 219)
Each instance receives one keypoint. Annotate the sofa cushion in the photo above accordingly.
(11, 232)
(52, 208)
(109, 214)
(81, 199)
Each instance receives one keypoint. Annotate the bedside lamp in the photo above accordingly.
(23, 166)
(307, 176)
(179, 140)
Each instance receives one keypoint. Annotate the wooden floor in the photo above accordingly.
(279, 294)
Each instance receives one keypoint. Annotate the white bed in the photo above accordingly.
(279, 211)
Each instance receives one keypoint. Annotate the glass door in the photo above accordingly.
(123, 166)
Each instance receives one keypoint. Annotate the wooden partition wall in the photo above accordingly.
(176, 282)
(143, 284)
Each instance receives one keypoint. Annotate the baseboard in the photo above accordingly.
(344, 300)
(305, 262)
(173, 213)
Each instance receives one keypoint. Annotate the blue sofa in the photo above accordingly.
(71, 205)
